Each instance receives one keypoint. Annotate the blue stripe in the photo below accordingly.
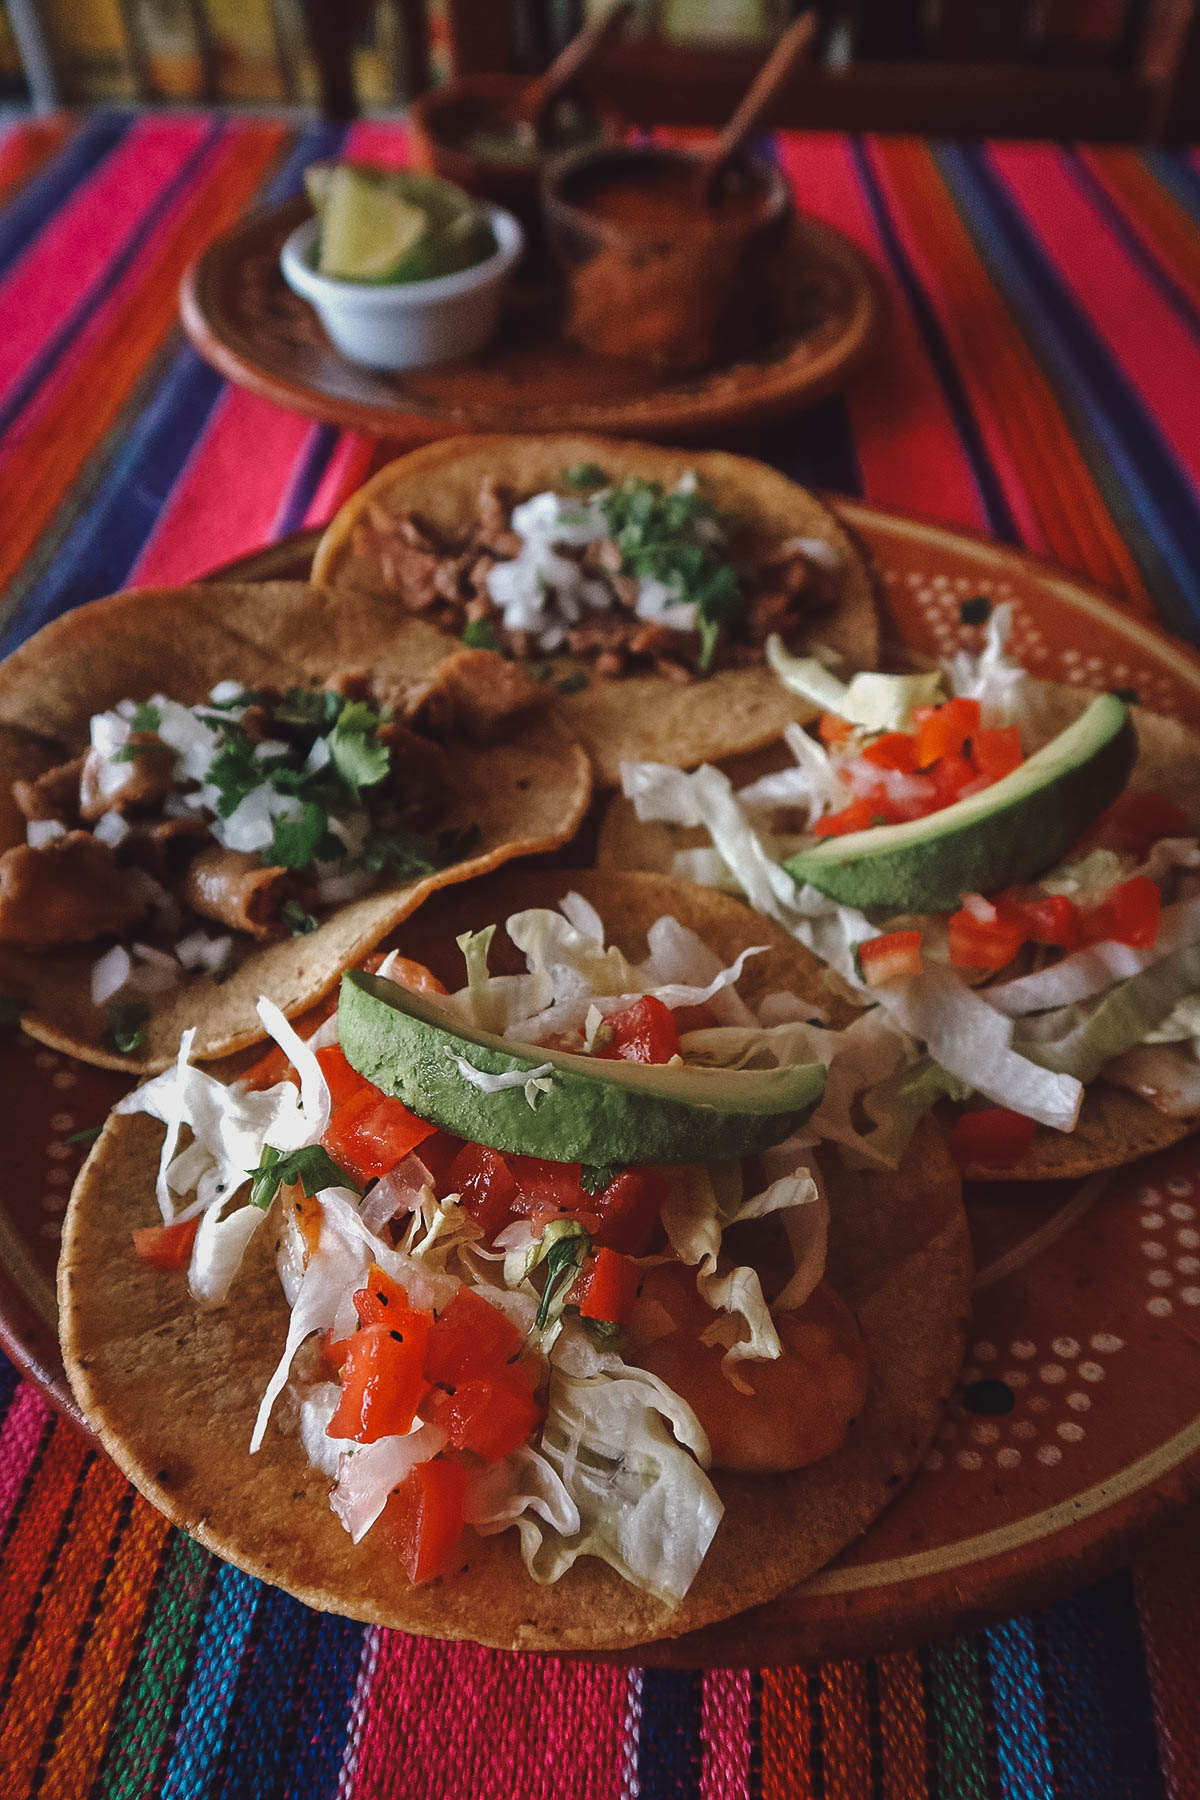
(102, 546)
(669, 1754)
(995, 506)
(1136, 248)
(114, 271)
(1098, 1692)
(1176, 174)
(1151, 500)
(258, 1737)
(53, 185)
(201, 1732)
(320, 1738)
(322, 441)
(1022, 1747)
(10, 1380)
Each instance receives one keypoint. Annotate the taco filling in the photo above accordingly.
(629, 575)
(961, 850)
(480, 1338)
(254, 812)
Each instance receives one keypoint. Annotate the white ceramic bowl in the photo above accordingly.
(407, 324)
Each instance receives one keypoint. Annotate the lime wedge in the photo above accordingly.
(367, 229)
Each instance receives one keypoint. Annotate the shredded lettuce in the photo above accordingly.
(877, 702)
(535, 1082)
(1090, 971)
(1078, 1041)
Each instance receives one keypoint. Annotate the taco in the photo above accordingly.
(1003, 874)
(553, 1313)
(642, 582)
(215, 792)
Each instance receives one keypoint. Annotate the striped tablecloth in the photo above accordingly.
(1041, 383)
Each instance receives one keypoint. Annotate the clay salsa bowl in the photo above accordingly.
(654, 274)
(463, 131)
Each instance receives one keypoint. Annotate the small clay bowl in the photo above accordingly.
(464, 132)
(652, 274)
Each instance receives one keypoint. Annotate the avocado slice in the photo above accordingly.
(593, 1112)
(1019, 826)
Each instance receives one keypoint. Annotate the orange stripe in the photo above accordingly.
(787, 1735)
(62, 1610)
(997, 363)
(25, 150)
(24, 1565)
(845, 1725)
(1154, 214)
(48, 457)
(111, 1642)
(902, 1727)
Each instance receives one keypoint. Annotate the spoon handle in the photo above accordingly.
(769, 81)
(538, 98)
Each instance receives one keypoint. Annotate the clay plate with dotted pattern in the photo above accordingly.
(1075, 1427)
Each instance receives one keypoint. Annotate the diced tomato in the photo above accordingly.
(894, 750)
(606, 1287)
(406, 973)
(438, 1153)
(334, 1349)
(165, 1246)
(468, 1337)
(983, 943)
(628, 1209)
(382, 1301)
(951, 775)
(642, 1033)
(342, 1081)
(371, 1133)
(490, 1415)
(995, 1137)
(1048, 919)
(487, 1186)
(997, 752)
(544, 1186)
(943, 730)
(1135, 821)
(833, 729)
(1129, 914)
(891, 957)
(422, 1522)
(382, 1381)
(860, 815)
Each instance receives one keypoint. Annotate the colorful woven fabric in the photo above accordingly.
(1038, 382)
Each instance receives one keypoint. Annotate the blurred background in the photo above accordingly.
(1099, 68)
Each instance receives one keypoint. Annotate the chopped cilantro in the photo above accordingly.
(595, 1177)
(298, 922)
(319, 707)
(10, 1009)
(678, 539)
(355, 750)
(145, 718)
(572, 683)
(402, 853)
(88, 1135)
(563, 1262)
(975, 611)
(585, 475)
(480, 634)
(308, 839)
(311, 1166)
(125, 1024)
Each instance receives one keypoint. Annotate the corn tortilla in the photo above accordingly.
(172, 1390)
(641, 717)
(527, 793)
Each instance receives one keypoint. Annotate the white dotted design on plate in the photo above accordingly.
(1069, 1431)
(1171, 1221)
(1052, 1374)
(968, 1459)
(1180, 1185)
(1065, 1346)
(1005, 1441)
(1079, 1402)
(1188, 1265)
(65, 1079)
(985, 1353)
(1049, 1454)
(1161, 1278)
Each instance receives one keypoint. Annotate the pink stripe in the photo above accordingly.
(379, 141)
(725, 1735)
(950, 311)
(1145, 336)
(77, 243)
(345, 473)
(908, 449)
(470, 1724)
(226, 500)
(23, 1428)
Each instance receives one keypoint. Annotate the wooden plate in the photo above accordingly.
(1075, 1428)
(242, 317)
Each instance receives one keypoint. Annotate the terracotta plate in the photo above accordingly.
(1076, 1425)
(241, 316)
